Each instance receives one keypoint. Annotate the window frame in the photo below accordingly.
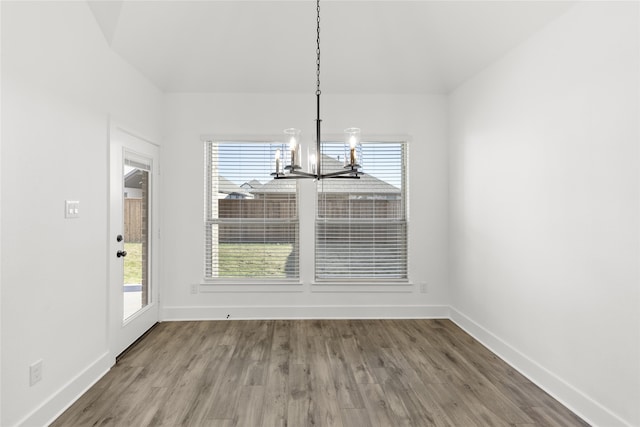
(251, 284)
(378, 284)
(307, 205)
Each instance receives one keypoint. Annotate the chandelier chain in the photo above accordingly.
(292, 171)
(318, 48)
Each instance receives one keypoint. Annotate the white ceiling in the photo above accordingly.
(269, 46)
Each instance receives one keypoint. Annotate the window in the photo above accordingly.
(361, 224)
(251, 220)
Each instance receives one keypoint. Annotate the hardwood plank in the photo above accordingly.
(344, 381)
(277, 385)
(324, 410)
(355, 417)
(478, 410)
(354, 353)
(208, 384)
(253, 341)
(377, 405)
(452, 405)
(227, 392)
(218, 423)
(183, 395)
(424, 366)
(250, 406)
(146, 417)
(421, 409)
(299, 403)
(299, 344)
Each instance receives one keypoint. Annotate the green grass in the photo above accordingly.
(254, 260)
(235, 260)
(133, 263)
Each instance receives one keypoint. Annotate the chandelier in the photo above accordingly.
(293, 170)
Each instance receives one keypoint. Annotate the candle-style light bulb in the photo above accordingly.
(353, 141)
(293, 136)
(353, 138)
(292, 148)
(312, 162)
(278, 161)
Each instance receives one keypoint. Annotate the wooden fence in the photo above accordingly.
(247, 220)
(133, 226)
(329, 207)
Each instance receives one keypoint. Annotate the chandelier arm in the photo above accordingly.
(341, 174)
(301, 174)
(292, 176)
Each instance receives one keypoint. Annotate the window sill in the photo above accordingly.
(249, 286)
(380, 287)
(279, 286)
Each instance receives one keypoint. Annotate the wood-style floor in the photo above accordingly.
(314, 373)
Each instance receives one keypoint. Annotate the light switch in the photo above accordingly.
(71, 209)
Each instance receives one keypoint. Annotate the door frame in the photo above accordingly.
(122, 333)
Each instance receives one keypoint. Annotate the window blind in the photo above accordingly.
(361, 224)
(251, 220)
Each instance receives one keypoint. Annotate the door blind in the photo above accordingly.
(251, 220)
(361, 224)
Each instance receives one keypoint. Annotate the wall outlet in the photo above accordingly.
(423, 287)
(35, 373)
(194, 289)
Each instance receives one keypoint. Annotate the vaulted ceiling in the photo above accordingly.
(269, 46)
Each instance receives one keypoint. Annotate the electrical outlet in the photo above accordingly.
(194, 289)
(35, 373)
(423, 287)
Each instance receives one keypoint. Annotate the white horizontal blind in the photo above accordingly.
(361, 224)
(251, 220)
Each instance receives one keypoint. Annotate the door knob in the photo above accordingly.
(121, 254)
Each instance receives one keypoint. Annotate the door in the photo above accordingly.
(133, 236)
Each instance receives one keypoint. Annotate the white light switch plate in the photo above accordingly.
(71, 209)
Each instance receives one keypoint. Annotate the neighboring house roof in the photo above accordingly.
(254, 183)
(227, 187)
(276, 186)
(367, 184)
(133, 179)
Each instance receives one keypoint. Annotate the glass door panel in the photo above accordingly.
(136, 239)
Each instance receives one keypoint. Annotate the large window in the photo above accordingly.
(251, 220)
(361, 224)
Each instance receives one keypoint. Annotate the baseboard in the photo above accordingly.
(581, 404)
(55, 405)
(306, 312)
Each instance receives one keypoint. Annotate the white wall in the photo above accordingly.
(59, 83)
(544, 209)
(191, 115)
